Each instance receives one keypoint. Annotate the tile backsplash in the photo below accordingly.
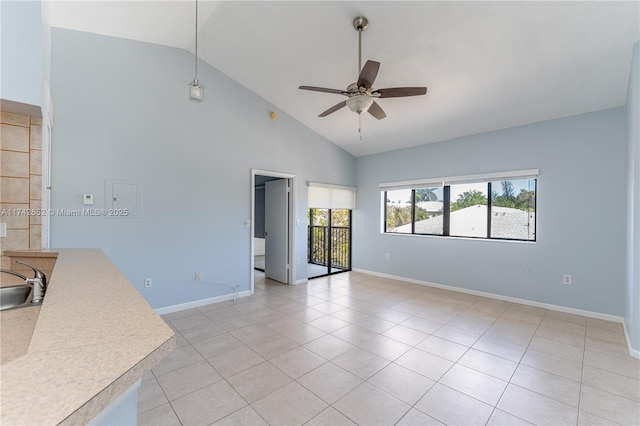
(20, 180)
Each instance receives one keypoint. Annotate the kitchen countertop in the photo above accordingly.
(32, 253)
(94, 337)
(17, 328)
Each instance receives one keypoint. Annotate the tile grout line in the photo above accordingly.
(516, 369)
(368, 308)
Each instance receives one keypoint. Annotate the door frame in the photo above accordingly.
(291, 274)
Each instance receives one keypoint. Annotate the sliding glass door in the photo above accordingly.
(329, 242)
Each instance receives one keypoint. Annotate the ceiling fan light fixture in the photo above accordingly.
(359, 103)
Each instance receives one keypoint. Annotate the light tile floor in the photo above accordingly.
(358, 349)
(313, 270)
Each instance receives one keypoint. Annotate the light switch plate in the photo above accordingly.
(87, 199)
(3, 230)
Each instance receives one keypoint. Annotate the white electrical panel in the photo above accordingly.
(123, 198)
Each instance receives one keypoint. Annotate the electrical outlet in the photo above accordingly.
(147, 282)
(567, 279)
(197, 276)
(387, 256)
(297, 260)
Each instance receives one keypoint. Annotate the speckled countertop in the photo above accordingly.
(94, 337)
(16, 329)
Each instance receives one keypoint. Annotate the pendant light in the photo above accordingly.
(196, 90)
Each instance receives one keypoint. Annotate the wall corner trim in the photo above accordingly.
(632, 352)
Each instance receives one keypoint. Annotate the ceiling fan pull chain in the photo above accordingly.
(360, 125)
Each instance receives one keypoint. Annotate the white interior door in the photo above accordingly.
(276, 208)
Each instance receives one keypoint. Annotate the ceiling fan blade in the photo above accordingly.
(368, 74)
(333, 109)
(376, 111)
(323, 89)
(400, 92)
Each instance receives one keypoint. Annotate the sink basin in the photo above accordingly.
(12, 297)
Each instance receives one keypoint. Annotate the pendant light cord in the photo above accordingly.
(196, 90)
(196, 40)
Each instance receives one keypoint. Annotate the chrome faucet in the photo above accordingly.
(38, 282)
(17, 274)
(39, 275)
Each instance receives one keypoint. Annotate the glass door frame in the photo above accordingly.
(328, 247)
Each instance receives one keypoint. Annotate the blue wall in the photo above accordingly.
(21, 45)
(632, 307)
(580, 225)
(122, 112)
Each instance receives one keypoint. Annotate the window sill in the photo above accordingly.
(491, 240)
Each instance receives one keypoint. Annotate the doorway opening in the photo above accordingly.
(329, 242)
(272, 230)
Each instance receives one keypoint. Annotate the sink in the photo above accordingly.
(14, 296)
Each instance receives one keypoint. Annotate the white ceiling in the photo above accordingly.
(488, 65)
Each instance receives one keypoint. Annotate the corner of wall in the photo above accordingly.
(632, 308)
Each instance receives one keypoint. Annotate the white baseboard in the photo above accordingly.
(606, 317)
(632, 352)
(598, 315)
(201, 302)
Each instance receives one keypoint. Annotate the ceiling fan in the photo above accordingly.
(361, 95)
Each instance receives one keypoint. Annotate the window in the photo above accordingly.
(513, 209)
(468, 207)
(429, 205)
(496, 206)
(399, 211)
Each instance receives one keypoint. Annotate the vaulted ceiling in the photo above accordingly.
(488, 65)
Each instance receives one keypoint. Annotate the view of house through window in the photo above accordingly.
(513, 209)
(468, 210)
(502, 209)
(401, 211)
(398, 211)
